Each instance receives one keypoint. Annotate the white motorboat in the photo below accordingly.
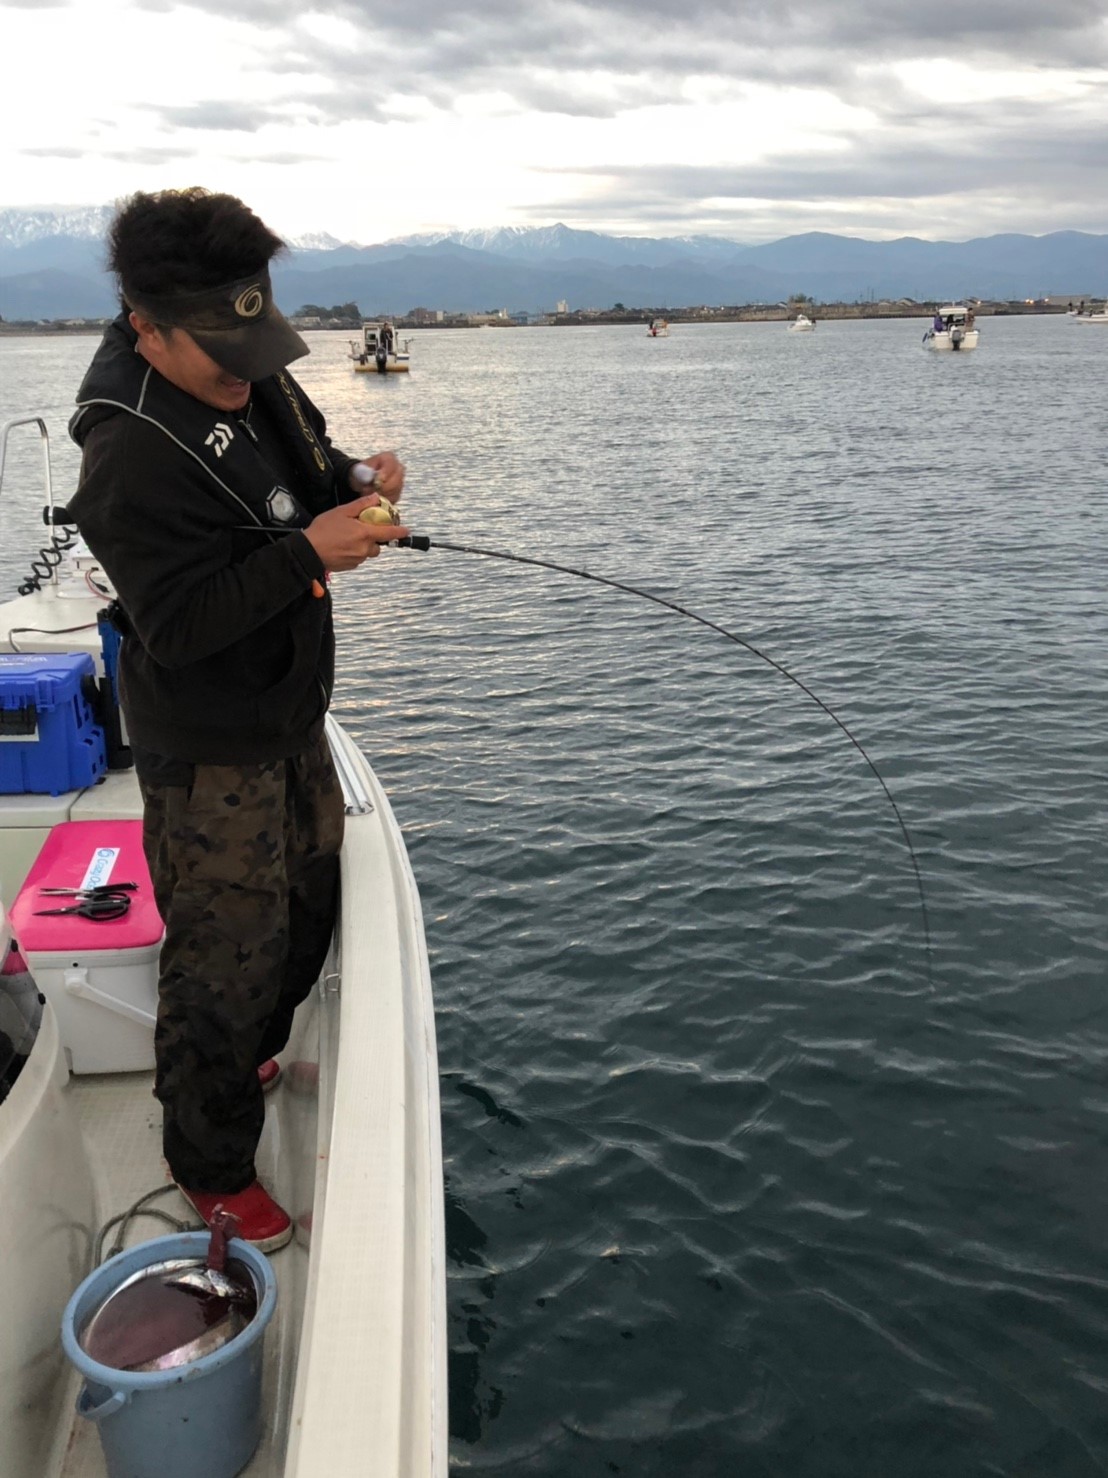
(355, 1358)
(801, 324)
(952, 328)
(1094, 315)
(658, 328)
(381, 351)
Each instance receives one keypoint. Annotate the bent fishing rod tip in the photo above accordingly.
(423, 543)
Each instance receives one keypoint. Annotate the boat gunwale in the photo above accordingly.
(401, 1034)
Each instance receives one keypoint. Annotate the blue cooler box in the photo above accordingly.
(50, 741)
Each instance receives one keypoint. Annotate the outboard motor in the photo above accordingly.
(382, 358)
(956, 338)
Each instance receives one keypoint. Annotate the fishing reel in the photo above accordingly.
(384, 512)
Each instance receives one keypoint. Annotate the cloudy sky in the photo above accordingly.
(749, 119)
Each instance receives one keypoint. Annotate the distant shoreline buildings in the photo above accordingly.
(563, 315)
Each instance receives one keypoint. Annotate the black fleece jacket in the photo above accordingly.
(228, 656)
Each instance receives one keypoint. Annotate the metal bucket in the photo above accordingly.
(196, 1410)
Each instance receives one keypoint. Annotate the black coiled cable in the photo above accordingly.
(48, 559)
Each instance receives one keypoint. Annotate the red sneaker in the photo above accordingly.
(261, 1221)
(269, 1074)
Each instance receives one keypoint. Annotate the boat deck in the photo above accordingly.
(121, 1123)
(355, 1359)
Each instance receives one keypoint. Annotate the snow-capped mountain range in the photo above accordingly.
(52, 266)
(549, 243)
(38, 223)
(22, 226)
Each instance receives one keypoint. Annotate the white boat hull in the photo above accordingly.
(944, 343)
(379, 338)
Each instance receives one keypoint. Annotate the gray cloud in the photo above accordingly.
(560, 56)
(431, 44)
(440, 38)
(582, 59)
(282, 159)
(987, 168)
(600, 60)
(122, 156)
(909, 171)
(163, 155)
(296, 110)
(219, 116)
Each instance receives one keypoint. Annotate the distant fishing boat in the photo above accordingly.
(952, 328)
(380, 352)
(801, 324)
(658, 328)
(1094, 315)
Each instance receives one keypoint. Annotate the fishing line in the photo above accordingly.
(423, 543)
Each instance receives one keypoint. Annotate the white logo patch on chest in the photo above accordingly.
(282, 505)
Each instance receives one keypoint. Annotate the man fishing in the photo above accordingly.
(217, 505)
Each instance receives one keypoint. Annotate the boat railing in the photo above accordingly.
(47, 475)
(44, 436)
(354, 789)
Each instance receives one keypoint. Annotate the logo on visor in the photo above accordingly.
(250, 301)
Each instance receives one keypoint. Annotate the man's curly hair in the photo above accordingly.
(186, 240)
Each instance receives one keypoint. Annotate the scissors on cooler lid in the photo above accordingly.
(100, 907)
(97, 890)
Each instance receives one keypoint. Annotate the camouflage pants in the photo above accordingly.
(244, 863)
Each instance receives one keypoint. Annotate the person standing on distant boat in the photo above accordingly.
(214, 499)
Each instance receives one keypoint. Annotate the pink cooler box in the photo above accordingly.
(100, 976)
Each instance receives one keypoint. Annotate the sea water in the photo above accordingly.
(744, 1176)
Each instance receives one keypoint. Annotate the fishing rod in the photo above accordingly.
(423, 543)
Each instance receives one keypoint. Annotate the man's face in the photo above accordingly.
(178, 358)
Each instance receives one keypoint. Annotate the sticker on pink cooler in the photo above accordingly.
(99, 870)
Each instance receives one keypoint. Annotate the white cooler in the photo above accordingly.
(99, 975)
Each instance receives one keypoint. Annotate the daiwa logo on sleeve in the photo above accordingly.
(100, 867)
